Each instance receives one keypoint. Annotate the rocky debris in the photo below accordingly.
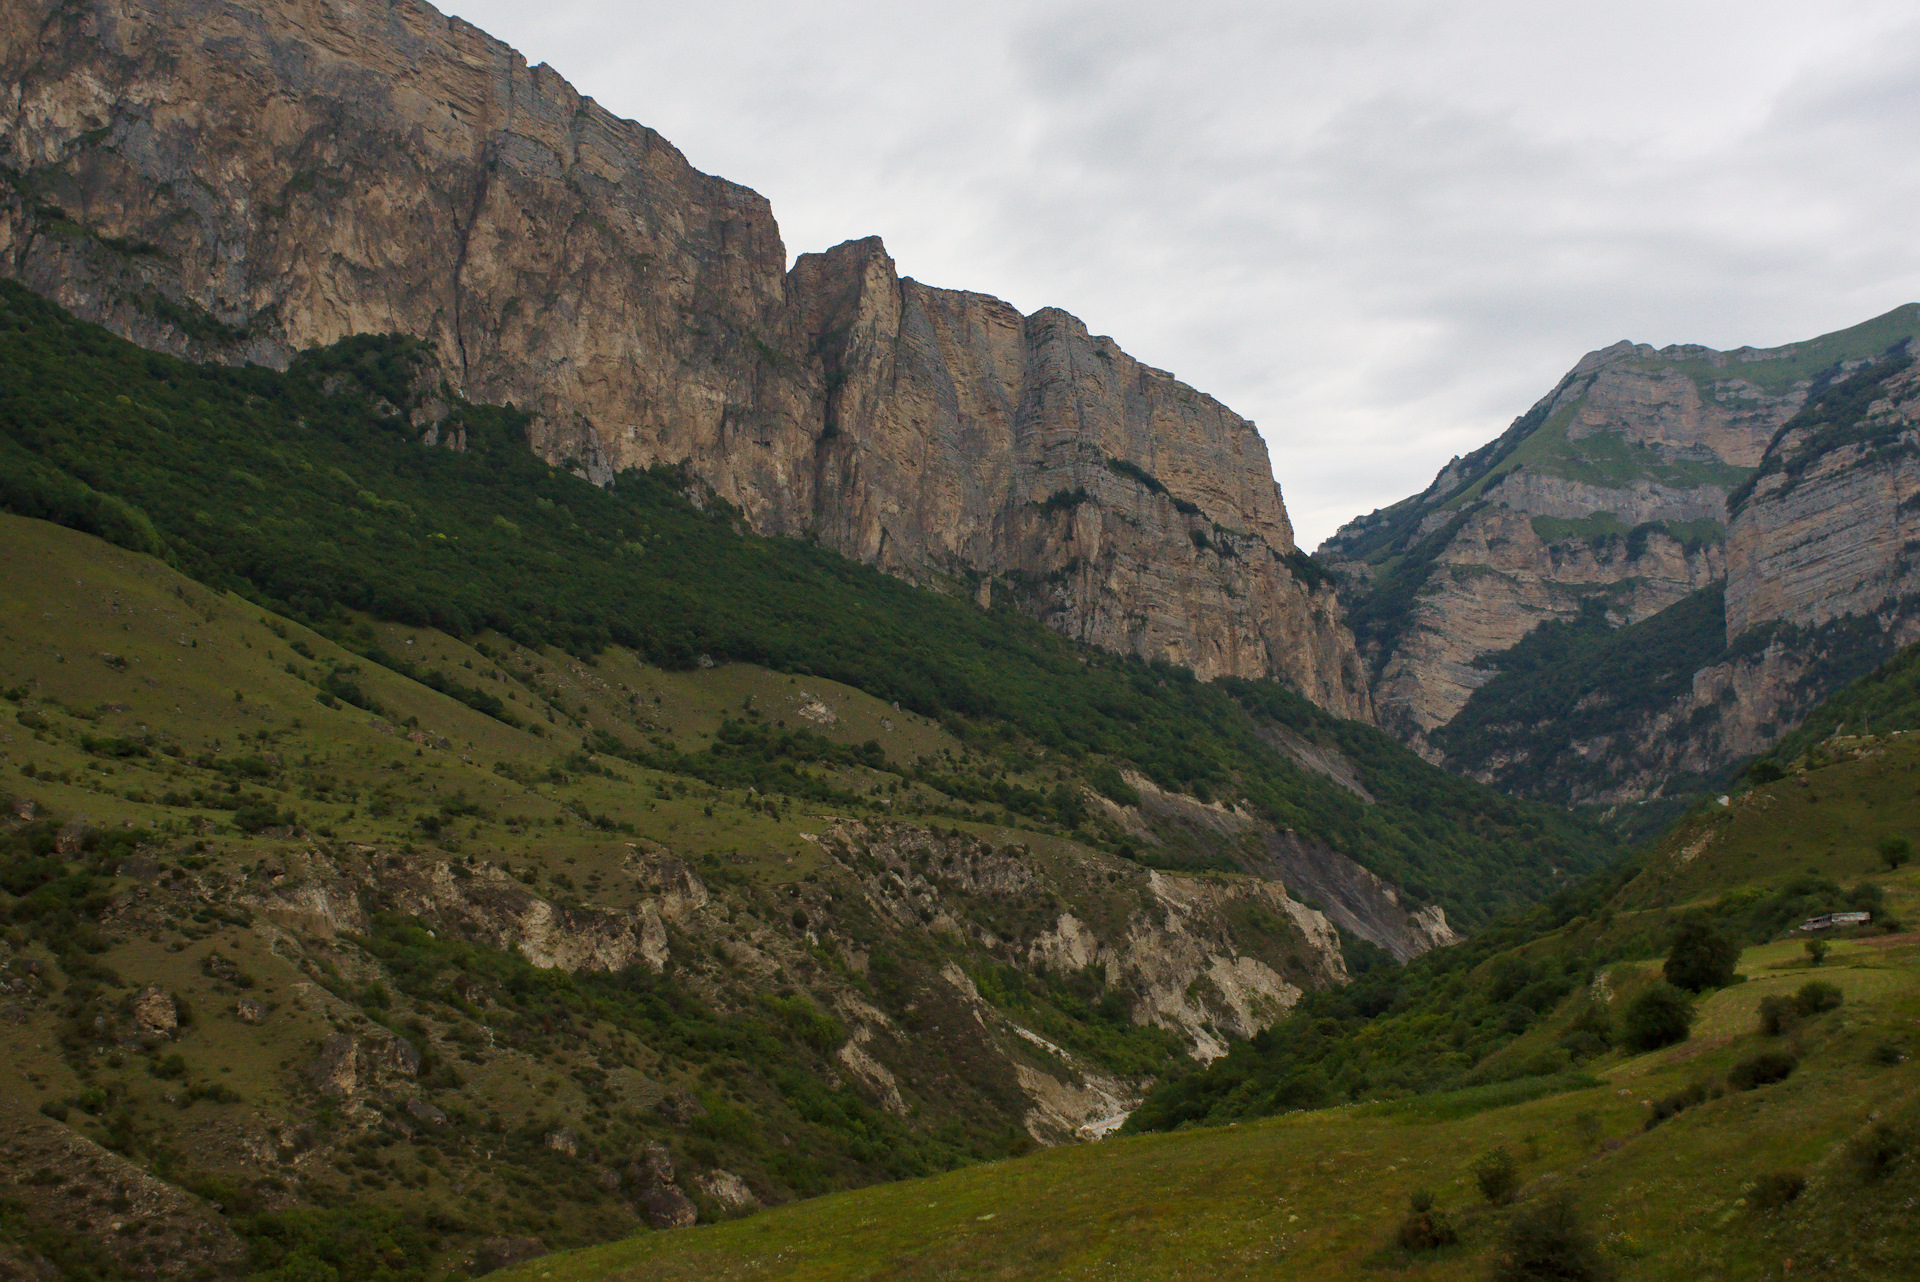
(250, 1010)
(155, 1012)
(815, 710)
(667, 1208)
(336, 1071)
(651, 1167)
(1357, 900)
(564, 1141)
(925, 431)
(421, 1111)
(349, 1066)
(650, 1177)
(503, 1252)
(727, 1189)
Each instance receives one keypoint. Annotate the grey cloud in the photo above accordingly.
(1380, 230)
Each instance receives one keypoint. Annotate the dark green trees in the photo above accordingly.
(1701, 957)
(1658, 1017)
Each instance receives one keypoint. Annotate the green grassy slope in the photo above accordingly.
(202, 795)
(1322, 1193)
(318, 502)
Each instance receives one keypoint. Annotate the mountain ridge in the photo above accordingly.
(401, 171)
(1646, 482)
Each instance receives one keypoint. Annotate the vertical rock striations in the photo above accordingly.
(1820, 584)
(240, 181)
(1610, 493)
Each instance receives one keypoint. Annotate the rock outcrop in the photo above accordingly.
(1831, 525)
(240, 181)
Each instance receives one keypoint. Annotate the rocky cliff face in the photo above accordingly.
(1820, 585)
(238, 182)
(1612, 490)
(1830, 527)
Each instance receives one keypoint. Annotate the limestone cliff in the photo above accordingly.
(1611, 491)
(240, 181)
(1820, 586)
(1830, 525)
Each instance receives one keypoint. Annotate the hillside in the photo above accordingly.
(310, 492)
(399, 170)
(692, 872)
(1735, 1153)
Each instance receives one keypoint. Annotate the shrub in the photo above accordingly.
(1895, 851)
(1775, 1189)
(1761, 1070)
(1497, 1174)
(1778, 1015)
(1658, 1017)
(1549, 1241)
(1586, 1125)
(1877, 1152)
(1816, 951)
(1425, 1228)
(1679, 1102)
(1815, 997)
(1886, 1053)
(1701, 957)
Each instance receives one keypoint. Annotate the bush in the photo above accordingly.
(1778, 1015)
(1895, 851)
(1701, 957)
(1887, 1054)
(1551, 1242)
(1816, 951)
(1775, 1189)
(1497, 1174)
(1761, 1070)
(1425, 1228)
(1590, 1033)
(1815, 997)
(1658, 1017)
(1875, 1154)
(1679, 1102)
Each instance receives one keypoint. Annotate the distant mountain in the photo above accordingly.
(1655, 572)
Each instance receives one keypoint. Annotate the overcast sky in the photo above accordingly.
(1378, 228)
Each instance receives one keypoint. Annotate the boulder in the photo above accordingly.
(422, 1111)
(667, 1208)
(155, 1011)
(728, 1189)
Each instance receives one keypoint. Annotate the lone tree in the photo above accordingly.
(1550, 1242)
(1816, 951)
(1658, 1017)
(1497, 1174)
(1896, 851)
(1701, 957)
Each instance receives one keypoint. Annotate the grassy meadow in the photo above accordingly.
(1321, 1194)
